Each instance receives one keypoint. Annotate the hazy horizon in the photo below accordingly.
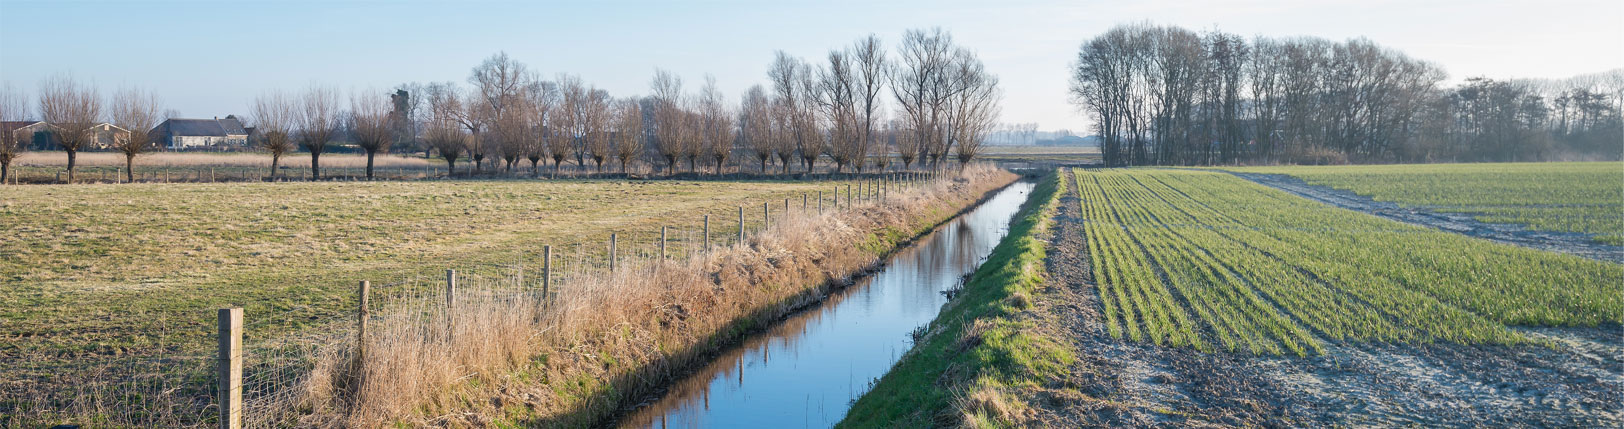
(211, 59)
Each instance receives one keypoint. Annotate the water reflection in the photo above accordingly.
(806, 370)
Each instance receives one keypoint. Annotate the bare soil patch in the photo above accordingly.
(1576, 382)
(1460, 223)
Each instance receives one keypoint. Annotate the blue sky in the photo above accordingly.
(211, 58)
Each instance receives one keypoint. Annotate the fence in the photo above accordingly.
(258, 371)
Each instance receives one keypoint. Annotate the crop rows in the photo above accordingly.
(1583, 197)
(1211, 261)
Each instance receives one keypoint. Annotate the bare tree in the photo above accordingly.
(756, 125)
(871, 65)
(13, 110)
(973, 106)
(717, 122)
(918, 83)
(500, 83)
(667, 99)
(317, 119)
(73, 110)
(596, 125)
(370, 120)
(273, 116)
(543, 101)
(839, 98)
(445, 130)
(628, 125)
(136, 111)
(568, 118)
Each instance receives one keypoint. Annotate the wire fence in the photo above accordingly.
(173, 380)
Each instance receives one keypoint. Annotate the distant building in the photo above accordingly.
(192, 134)
(35, 133)
(105, 136)
(38, 135)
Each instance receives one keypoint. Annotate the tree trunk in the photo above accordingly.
(5, 169)
(622, 167)
(129, 168)
(370, 154)
(71, 156)
(275, 158)
(315, 165)
(450, 168)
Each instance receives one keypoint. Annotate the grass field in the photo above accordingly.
(103, 269)
(1211, 261)
(1584, 197)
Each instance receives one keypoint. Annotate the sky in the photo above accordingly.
(208, 59)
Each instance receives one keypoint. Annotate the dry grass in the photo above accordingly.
(611, 338)
(131, 274)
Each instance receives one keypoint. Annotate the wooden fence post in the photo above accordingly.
(820, 201)
(803, 203)
(450, 303)
(765, 220)
(612, 239)
(546, 273)
(662, 243)
(741, 224)
(707, 233)
(230, 368)
(362, 313)
(786, 209)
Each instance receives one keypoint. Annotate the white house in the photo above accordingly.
(183, 134)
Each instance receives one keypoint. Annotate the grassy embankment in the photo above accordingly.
(981, 344)
(94, 269)
(198, 240)
(1582, 197)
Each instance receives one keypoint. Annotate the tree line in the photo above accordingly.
(1169, 96)
(858, 109)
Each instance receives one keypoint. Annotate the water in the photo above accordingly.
(806, 371)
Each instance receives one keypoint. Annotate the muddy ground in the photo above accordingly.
(1460, 223)
(1578, 383)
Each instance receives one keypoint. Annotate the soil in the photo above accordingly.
(1460, 223)
(1578, 381)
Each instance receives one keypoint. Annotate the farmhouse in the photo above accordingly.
(183, 134)
(31, 132)
(106, 136)
(38, 135)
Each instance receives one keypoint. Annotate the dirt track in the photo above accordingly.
(1580, 383)
(1460, 223)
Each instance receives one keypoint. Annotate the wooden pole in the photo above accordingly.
(820, 202)
(612, 239)
(361, 315)
(230, 368)
(765, 220)
(707, 233)
(803, 203)
(546, 272)
(662, 243)
(450, 303)
(741, 224)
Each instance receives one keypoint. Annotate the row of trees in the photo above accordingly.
(74, 111)
(940, 105)
(945, 103)
(1167, 95)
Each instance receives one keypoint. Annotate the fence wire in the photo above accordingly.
(171, 380)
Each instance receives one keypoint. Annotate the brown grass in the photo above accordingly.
(608, 339)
